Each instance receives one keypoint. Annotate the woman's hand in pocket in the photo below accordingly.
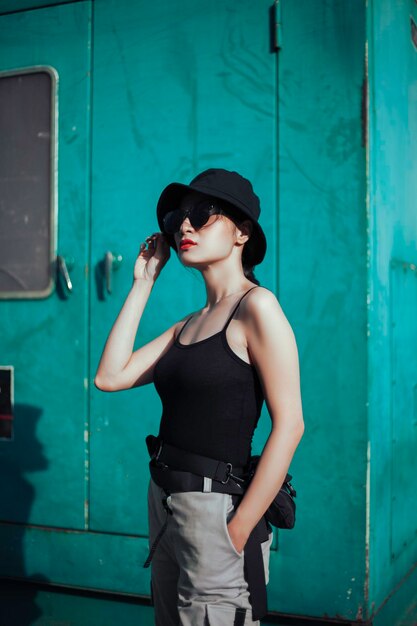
(238, 535)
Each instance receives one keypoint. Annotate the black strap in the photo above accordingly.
(240, 616)
(253, 566)
(161, 532)
(203, 465)
(175, 458)
(236, 307)
(177, 481)
(255, 574)
(155, 543)
(182, 328)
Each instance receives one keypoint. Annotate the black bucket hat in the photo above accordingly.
(224, 185)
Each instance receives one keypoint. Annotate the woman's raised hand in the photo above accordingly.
(151, 259)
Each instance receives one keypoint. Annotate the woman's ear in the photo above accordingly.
(244, 231)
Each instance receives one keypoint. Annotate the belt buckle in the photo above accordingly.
(229, 467)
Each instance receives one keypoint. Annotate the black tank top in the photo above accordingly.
(211, 398)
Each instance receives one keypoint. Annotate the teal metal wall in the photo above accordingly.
(154, 92)
(392, 295)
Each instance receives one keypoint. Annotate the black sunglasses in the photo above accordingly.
(198, 215)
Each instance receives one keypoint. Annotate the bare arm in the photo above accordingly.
(118, 367)
(273, 349)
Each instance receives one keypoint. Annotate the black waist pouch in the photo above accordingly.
(281, 511)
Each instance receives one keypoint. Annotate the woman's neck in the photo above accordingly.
(217, 298)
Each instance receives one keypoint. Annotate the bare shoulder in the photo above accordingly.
(262, 313)
(261, 299)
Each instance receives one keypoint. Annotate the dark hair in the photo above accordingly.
(237, 218)
(248, 272)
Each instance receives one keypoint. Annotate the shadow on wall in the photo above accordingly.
(20, 455)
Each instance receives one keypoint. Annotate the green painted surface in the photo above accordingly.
(322, 287)
(392, 369)
(26, 605)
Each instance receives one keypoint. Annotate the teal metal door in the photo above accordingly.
(44, 232)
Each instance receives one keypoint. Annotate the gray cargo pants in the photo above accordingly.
(197, 574)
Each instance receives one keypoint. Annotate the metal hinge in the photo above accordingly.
(276, 26)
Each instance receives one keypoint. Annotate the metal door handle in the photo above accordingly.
(112, 261)
(63, 267)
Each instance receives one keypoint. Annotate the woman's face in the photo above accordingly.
(213, 241)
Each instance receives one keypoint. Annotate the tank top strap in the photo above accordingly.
(182, 328)
(236, 307)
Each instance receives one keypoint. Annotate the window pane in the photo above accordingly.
(25, 183)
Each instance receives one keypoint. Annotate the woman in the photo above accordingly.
(234, 353)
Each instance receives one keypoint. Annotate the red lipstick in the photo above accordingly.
(187, 243)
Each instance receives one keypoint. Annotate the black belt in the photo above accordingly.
(177, 470)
